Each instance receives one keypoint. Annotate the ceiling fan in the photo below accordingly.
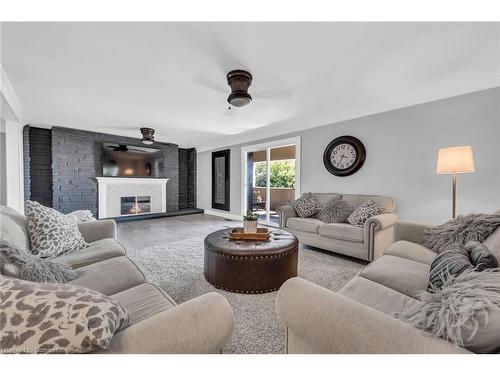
(239, 81)
(123, 148)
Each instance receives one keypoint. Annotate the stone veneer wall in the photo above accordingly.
(77, 160)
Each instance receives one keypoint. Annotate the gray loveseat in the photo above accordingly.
(359, 318)
(365, 243)
(157, 324)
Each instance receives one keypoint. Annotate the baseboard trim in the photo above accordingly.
(225, 215)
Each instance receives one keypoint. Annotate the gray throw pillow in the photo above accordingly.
(306, 205)
(367, 210)
(473, 227)
(51, 233)
(457, 258)
(56, 318)
(336, 211)
(465, 311)
(29, 267)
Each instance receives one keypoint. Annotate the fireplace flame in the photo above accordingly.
(135, 209)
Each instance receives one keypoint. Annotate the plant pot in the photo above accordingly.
(250, 226)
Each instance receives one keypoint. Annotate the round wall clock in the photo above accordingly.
(344, 156)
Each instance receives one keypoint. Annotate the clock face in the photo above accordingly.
(343, 156)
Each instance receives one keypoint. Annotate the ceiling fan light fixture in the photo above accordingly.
(147, 136)
(239, 81)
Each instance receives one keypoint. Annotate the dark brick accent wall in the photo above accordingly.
(187, 178)
(191, 179)
(40, 165)
(26, 162)
(77, 160)
(183, 179)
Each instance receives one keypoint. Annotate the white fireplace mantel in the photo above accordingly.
(111, 189)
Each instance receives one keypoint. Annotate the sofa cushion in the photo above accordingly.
(403, 275)
(342, 231)
(97, 251)
(310, 224)
(336, 211)
(143, 301)
(13, 228)
(367, 210)
(493, 243)
(355, 200)
(110, 276)
(306, 205)
(26, 266)
(51, 233)
(411, 251)
(56, 318)
(377, 296)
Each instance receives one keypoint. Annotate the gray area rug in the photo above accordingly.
(177, 267)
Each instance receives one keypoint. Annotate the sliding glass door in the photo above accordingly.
(271, 176)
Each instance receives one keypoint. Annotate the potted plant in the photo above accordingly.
(250, 222)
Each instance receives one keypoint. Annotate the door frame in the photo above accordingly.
(293, 141)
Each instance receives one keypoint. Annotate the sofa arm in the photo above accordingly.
(378, 233)
(410, 231)
(201, 325)
(331, 323)
(97, 230)
(381, 222)
(285, 212)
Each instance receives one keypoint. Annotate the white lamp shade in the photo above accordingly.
(455, 160)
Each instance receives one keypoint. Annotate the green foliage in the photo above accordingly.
(282, 174)
(250, 216)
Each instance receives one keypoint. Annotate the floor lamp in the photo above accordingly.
(454, 160)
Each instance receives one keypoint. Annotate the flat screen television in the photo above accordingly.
(131, 161)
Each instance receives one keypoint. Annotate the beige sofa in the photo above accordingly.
(157, 324)
(365, 243)
(359, 318)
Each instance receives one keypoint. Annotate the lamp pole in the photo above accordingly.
(454, 196)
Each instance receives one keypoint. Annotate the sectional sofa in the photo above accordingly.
(157, 324)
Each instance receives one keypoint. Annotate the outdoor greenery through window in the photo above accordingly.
(282, 173)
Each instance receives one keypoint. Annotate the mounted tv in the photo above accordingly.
(131, 161)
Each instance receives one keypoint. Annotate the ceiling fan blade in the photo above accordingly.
(272, 94)
(208, 84)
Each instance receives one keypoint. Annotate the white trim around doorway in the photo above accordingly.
(294, 141)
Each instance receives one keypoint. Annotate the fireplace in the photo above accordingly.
(135, 205)
(127, 196)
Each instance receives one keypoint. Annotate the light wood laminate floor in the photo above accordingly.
(153, 232)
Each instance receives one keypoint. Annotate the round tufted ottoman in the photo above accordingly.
(250, 266)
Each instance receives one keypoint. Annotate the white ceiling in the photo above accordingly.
(117, 77)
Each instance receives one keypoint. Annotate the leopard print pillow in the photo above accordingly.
(51, 233)
(307, 205)
(363, 213)
(56, 318)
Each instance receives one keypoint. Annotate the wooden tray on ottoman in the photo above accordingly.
(237, 234)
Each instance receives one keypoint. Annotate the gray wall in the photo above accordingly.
(77, 160)
(401, 148)
(3, 171)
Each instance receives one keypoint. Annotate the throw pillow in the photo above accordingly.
(465, 311)
(363, 213)
(473, 227)
(306, 205)
(56, 318)
(457, 258)
(32, 268)
(336, 211)
(51, 233)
